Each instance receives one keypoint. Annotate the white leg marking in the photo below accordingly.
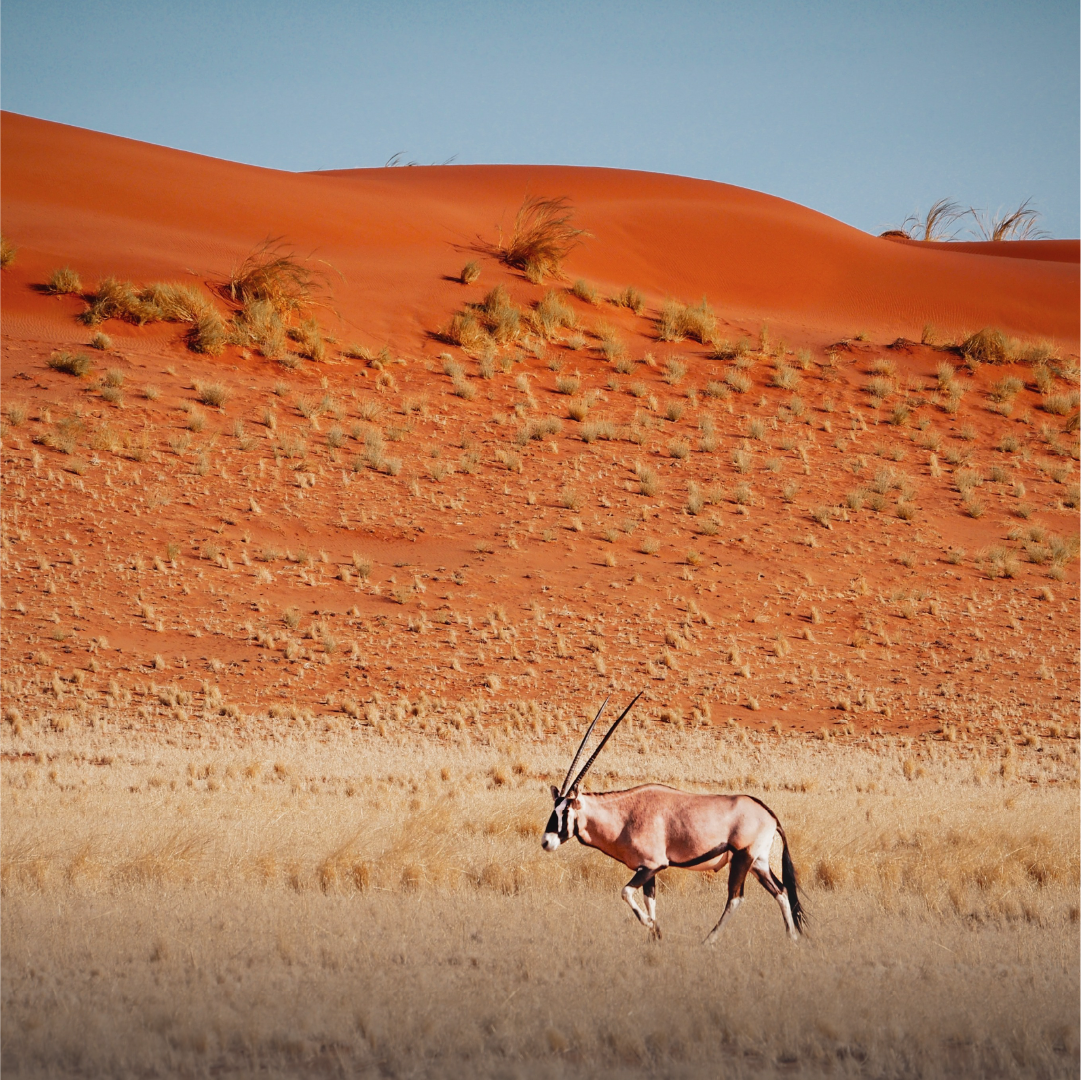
(628, 896)
(786, 911)
(651, 908)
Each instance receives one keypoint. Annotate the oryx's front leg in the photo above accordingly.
(644, 877)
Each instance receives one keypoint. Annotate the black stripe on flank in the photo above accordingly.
(712, 854)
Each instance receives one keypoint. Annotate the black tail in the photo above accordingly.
(788, 880)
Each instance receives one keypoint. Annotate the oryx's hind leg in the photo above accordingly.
(643, 877)
(741, 864)
(761, 870)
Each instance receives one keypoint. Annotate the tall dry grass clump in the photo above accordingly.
(939, 223)
(274, 291)
(1022, 223)
(272, 272)
(63, 281)
(169, 302)
(544, 234)
(678, 321)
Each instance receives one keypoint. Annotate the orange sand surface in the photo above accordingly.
(509, 570)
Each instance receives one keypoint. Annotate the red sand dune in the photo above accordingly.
(107, 204)
(787, 602)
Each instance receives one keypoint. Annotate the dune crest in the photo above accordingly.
(111, 205)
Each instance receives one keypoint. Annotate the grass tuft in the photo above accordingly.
(542, 237)
(678, 321)
(72, 363)
(63, 282)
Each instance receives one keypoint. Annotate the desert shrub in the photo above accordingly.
(542, 237)
(552, 313)
(214, 394)
(538, 428)
(1059, 404)
(1006, 389)
(584, 291)
(578, 408)
(114, 299)
(648, 481)
(470, 272)
(101, 341)
(678, 321)
(8, 251)
(63, 281)
(169, 302)
(309, 336)
(1017, 224)
(465, 331)
(499, 316)
(610, 343)
(674, 370)
(593, 430)
(272, 272)
(567, 384)
(987, 346)
(881, 387)
(261, 326)
(738, 381)
(72, 363)
(786, 378)
(630, 298)
(207, 334)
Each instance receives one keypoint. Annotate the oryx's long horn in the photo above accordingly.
(600, 746)
(582, 746)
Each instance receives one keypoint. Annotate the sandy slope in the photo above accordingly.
(520, 574)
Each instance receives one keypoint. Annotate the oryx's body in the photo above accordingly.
(652, 827)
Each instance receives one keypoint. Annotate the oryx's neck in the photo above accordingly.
(601, 819)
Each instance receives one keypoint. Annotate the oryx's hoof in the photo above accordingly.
(655, 933)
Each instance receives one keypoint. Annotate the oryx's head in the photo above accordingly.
(563, 822)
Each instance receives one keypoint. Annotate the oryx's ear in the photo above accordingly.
(555, 792)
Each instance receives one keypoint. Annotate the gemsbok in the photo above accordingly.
(652, 827)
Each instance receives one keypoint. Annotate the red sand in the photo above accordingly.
(870, 612)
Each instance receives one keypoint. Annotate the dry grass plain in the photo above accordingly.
(352, 904)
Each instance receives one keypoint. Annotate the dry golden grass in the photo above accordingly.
(63, 281)
(542, 237)
(272, 272)
(355, 903)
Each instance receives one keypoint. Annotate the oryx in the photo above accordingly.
(652, 827)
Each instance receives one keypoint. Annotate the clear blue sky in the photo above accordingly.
(864, 111)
